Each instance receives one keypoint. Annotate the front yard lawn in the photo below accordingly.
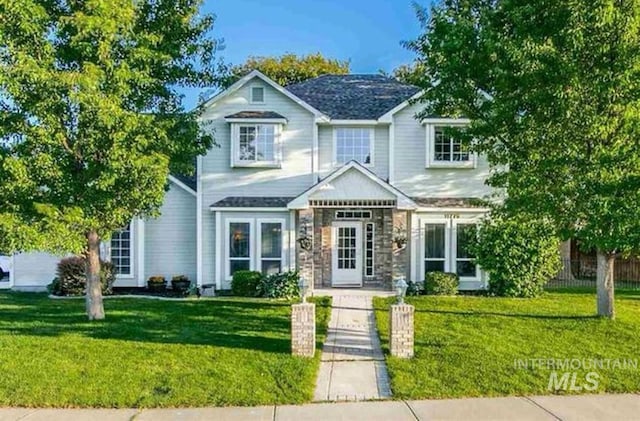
(468, 346)
(148, 353)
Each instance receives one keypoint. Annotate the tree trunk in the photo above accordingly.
(95, 309)
(565, 254)
(604, 282)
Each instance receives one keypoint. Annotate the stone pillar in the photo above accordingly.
(304, 245)
(401, 330)
(303, 329)
(400, 251)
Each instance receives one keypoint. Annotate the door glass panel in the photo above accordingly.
(346, 247)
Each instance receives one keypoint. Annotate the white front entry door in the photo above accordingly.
(346, 254)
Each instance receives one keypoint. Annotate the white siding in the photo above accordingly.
(414, 179)
(34, 271)
(170, 240)
(380, 154)
(219, 180)
(352, 185)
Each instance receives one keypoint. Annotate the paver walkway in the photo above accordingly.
(352, 367)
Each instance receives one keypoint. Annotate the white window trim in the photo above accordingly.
(252, 99)
(373, 249)
(447, 244)
(235, 147)
(283, 226)
(372, 146)
(132, 242)
(430, 161)
(227, 245)
(454, 247)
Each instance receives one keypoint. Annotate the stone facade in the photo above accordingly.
(401, 251)
(401, 330)
(303, 329)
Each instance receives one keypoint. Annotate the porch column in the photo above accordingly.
(400, 245)
(304, 244)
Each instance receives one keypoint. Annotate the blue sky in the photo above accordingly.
(368, 33)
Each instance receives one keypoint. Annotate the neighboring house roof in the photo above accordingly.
(187, 180)
(256, 114)
(353, 97)
(449, 202)
(252, 202)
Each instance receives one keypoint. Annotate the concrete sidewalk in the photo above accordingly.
(585, 407)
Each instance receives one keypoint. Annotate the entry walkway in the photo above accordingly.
(565, 408)
(353, 366)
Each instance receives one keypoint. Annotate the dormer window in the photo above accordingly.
(257, 95)
(444, 150)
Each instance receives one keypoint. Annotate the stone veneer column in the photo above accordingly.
(303, 329)
(305, 257)
(400, 255)
(401, 330)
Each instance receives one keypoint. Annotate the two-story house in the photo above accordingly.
(335, 176)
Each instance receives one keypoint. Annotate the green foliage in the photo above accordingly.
(280, 285)
(287, 69)
(91, 121)
(441, 283)
(519, 254)
(552, 90)
(152, 353)
(245, 283)
(415, 288)
(71, 277)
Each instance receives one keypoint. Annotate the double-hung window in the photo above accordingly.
(122, 251)
(465, 264)
(444, 149)
(256, 144)
(270, 247)
(353, 144)
(255, 244)
(435, 246)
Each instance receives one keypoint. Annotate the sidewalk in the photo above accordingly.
(352, 366)
(566, 408)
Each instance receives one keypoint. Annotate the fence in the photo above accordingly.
(582, 273)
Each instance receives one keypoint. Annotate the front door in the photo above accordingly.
(346, 254)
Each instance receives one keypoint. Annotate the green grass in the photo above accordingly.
(467, 346)
(150, 353)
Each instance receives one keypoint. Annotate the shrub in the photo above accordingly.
(245, 283)
(415, 288)
(280, 285)
(71, 278)
(441, 283)
(157, 279)
(519, 254)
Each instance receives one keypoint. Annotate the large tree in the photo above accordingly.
(287, 69)
(552, 89)
(91, 121)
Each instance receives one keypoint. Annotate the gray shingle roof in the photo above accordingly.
(449, 202)
(255, 114)
(253, 202)
(353, 97)
(188, 180)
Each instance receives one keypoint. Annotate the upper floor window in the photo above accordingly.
(256, 144)
(257, 95)
(353, 143)
(445, 150)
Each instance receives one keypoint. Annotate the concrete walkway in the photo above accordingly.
(353, 366)
(565, 408)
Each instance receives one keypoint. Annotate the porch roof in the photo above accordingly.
(449, 202)
(351, 184)
(253, 202)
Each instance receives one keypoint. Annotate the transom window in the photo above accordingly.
(353, 144)
(447, 148)
(353, 214)
(121, 251)
(434, 248)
